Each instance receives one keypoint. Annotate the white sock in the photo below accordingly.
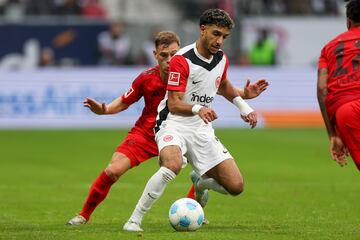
(211, 183)
(153, 190)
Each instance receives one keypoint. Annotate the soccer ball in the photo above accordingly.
(186, 214)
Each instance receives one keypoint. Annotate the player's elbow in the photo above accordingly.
(321, 92)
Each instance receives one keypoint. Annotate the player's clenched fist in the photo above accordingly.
(207, 114)
(95, 106)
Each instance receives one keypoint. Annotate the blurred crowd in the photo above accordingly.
(191, 8)
(21, 8)
(115, 45)
(262, 7)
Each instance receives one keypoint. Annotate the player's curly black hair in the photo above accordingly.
(217, 17)
(353, 10)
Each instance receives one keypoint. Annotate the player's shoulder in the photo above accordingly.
(150, 73)
(155, 70)
(147, 75)
(339, 38)
(185, 49)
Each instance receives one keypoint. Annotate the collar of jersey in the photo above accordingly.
(201, 57)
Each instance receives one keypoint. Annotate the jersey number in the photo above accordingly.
(339, 53)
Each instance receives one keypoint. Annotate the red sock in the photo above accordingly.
(191, 193)
(97, 193)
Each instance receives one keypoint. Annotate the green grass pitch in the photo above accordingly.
(293, 190)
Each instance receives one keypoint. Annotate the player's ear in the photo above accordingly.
(348, 23)
(154, 52)
(202, 29)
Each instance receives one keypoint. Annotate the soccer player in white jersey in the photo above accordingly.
(183, 128)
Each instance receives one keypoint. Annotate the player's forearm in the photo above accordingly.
(228, 91)
(180, 108)
(115, 106)
(176, 104)
(241, 92)
(322, 92)
(321, 95)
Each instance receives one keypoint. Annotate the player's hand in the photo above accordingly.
(95, 106)
(338, 150)
(254, 90)
(207, 114)
(251, 118)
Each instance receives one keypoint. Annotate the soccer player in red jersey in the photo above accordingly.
(338, 89)
(139, 144)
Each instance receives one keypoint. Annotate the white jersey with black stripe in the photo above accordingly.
(199, 78)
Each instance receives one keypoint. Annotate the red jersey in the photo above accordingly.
(149, 85)
(341, 56)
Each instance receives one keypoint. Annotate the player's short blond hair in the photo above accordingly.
(166, 38)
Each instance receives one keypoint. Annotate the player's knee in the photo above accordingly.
(173, 166)
(112, 173)
(236, 188)
(117, 168)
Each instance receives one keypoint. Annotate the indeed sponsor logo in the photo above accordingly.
(201, 99)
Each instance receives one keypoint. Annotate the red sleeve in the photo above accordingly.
(135, 92)
(323, 63)
(224, 76)
(178, 74)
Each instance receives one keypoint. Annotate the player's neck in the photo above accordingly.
(202, 51)
(164, 76)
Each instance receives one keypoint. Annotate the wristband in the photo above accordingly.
(196, 108)
(244, 108)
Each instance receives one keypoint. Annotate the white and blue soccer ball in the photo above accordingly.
(186, 214)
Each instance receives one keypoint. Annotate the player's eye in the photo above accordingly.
(216, 33)
(164, 55)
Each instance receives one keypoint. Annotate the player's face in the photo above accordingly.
(213, 37)
(164, 53)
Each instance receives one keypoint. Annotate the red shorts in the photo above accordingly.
(138, 148)
(348, 126)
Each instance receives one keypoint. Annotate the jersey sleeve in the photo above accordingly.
(224, 75)
(135, 92)
(178, 74)
(323, 63)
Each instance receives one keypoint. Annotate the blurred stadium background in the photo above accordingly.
(51, 147)
(54, 53)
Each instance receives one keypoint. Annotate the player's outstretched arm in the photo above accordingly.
(227, 90)
(115, 106)
(252, 90)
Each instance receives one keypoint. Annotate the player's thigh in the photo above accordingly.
(206, 151)
(138, 148)
(171, 158)
(228, 174)
(348, 127)
(172, 147)
(118, 165)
